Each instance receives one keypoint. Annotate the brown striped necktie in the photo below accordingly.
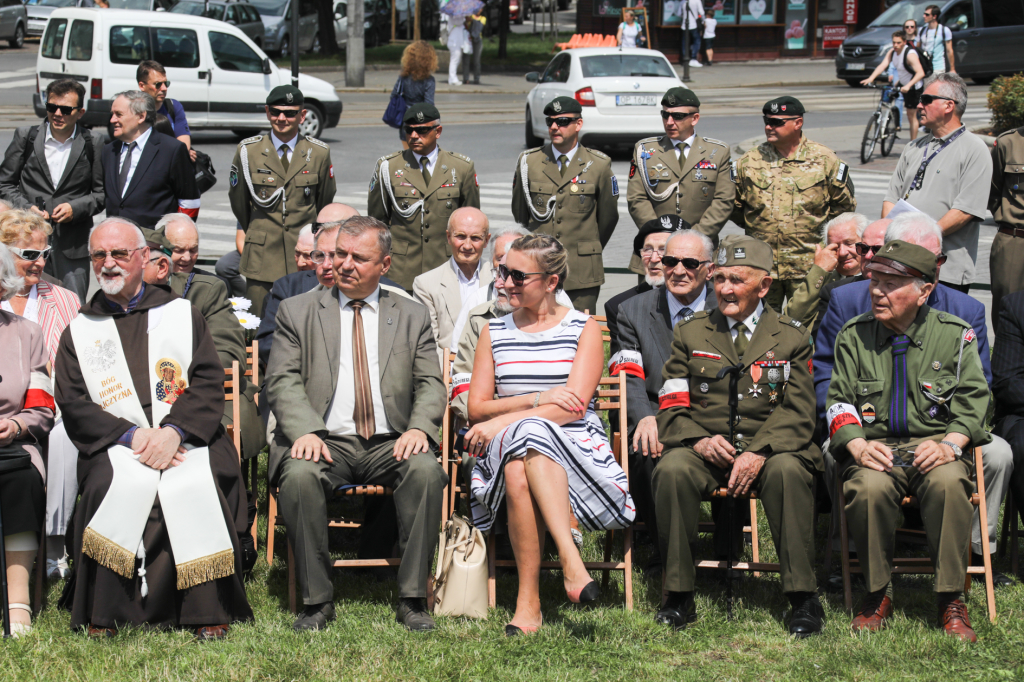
(362, 415)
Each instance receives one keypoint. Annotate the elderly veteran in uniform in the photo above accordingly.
(906, 404)
(786, 189)
(772, 453)
(447, 288)
(278, 183)
(570, 192)
(682, 173)
(162, 497)
(416, 191)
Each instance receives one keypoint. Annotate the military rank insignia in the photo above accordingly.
(705, 164)
(615, 186)
(842, 173)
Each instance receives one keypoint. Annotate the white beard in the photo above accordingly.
(112, 287)
(654, 281)
(502, 308)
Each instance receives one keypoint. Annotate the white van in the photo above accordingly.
(220, 76)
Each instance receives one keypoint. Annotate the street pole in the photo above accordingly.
(295, 42)
(685, 58)
(355, 51)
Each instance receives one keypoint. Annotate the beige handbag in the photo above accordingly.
(460, 582)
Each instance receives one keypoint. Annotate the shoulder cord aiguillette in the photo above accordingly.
(388, 192)
(262, 203)
(641, 164)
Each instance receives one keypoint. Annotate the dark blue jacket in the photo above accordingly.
(163, 177)
(854, 299)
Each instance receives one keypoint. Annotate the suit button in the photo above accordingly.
(559, 191)
(426, 239)
(558, 235)
(559, 221)
(426, 212)
(559, 205)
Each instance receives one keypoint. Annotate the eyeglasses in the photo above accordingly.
(864, 249)
(775, 122)
(928, 14)
(903, 457)
(909, 26)
(62, 108)
(688, 263)
(648, 251)
(561, 121)
(119, 255)
(677, 115)
(162, 84)
(319, 257)
(422, 131)
(31, 254)
(518, 276)
(928, 99)
(287, 113)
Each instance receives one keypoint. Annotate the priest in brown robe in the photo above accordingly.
(110, 589)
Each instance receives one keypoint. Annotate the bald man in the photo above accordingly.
(183, 236)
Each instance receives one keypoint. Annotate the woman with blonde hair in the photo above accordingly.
(416, 82)
(539, 443)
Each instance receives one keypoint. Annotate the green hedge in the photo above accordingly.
(1006, 100)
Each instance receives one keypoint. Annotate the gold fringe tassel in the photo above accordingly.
(108, 553)
(204, 569)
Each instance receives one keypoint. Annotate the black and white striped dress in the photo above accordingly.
(526, 363)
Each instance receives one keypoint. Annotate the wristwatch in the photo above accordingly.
(957, 450)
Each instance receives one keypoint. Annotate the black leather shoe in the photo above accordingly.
(808, 615)
(413, 614)
(249, 554)
(834, 583)
(998, 579)
(677, 611)
(315, 617)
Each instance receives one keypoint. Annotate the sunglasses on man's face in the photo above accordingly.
(30, 255)
(928, 99)
(62, 108)
(677, 115)
(864, 249)
(518, 276)
(561, 121)
(688, 263)
(287, 113)
(422, 131)
(775, 122)
(162, 84)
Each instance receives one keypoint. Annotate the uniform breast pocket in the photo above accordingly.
(871, 402)
(1013, 177)
(939, 392)
(306, 184)
(540, 193)
(704, 183)
(812, 194)
(757, 186)
(448, 199)
(582, 200)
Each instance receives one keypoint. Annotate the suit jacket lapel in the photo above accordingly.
(450, 291)
(697, 151)
(387, 326)
(149, 152)
(720, 337)
(110, 172)
(272, 161)
(764, 338)
(413, 172)
(298, 162)
(39, 147)
(668, 158)
(330, 326)
(77, 149)
(550, 167)
(662, 326)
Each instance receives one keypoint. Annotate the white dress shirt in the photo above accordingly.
(568, 155)
(431, 160)
(466, 286)
(676, 307)
(140, 144)
(57, 154)
(682, 147)
(31, 306)
(339, 416)
(751, 322)
(290, 149)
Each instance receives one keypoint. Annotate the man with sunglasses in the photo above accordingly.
(681, 173)
(901, 343)
(416, 191)
(278, 184)
(870, 242)
(786, 189)
(54, 169)
(152, 79)
(937, 41)
(570, 192)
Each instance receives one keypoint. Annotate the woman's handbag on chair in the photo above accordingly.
(460, 582)
(394, 115)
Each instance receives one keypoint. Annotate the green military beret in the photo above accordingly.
(285, 94)
(904, 259)
(562, 105)
(680, 97)
(156, 239)
(421, 113)
(787, 105)
(744, 250)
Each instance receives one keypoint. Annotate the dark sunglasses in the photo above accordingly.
(561, 121)
(287, 113)
(518, 276)
(30, 255)
(62, 108)
(160, 84)
(928, 99)
(776, 122)
(422, 131)
(864, 249)
(688, 263)
(677, 115)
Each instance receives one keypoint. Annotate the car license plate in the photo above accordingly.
(636, 100)
(856, 67)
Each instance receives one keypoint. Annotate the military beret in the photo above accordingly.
(904, 259)
(666, 223)
(285, 94)
(680, 97)
(421, 113)
(783, 105)
(563, 105)
(156, 239)
(744, 250)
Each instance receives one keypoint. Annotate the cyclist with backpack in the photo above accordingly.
(936, 41)
(910, 72)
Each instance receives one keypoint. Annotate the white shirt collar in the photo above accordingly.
(751, 320)
(140, 141)
(688, 142)
(277, 142)
(431, 157)
(373, 300)
(51, 137)
(675, 306)
(458, 272)
(569, 154)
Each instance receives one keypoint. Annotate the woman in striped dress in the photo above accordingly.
(539, 442)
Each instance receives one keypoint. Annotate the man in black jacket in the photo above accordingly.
(146, 174)
(54, 170)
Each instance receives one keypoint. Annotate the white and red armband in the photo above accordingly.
(189, 207)
(840, 415)
(628, 361)
(40, 392)
(460, 384)
(675, 393)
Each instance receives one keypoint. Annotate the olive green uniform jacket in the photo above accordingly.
(703, 189)
(803, 304)
(271, 232)
(418, 242)
(1006, 201)
(583, 207)
(785, 201)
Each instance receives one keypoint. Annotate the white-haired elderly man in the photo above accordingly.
(182, 238)
(855, 299)
(141, 389)
(304, 248)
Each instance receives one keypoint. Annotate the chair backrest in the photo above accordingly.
(231, 395)
(252, 364)
(606, 332)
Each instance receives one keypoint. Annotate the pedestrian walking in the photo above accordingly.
(416, 83)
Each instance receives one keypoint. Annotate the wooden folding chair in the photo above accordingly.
(231, 395)
(919, 565)
(252, 373)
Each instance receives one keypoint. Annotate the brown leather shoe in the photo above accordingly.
(875, 610)
(954, 621)
(211, 632)
(100, 633)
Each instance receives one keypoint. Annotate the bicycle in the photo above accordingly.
(882, 125)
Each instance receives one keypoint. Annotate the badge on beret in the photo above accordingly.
(419, 117)
(289, 97)
(557, 106)
(775, 107)
(783, 107)
(739, 252)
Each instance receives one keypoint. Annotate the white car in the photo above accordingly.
(620, 91)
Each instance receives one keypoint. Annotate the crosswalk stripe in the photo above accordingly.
(18, 84)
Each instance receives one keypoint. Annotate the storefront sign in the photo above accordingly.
(834, 36)
(850, 11)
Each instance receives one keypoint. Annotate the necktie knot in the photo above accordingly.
(284, 154)
(900, 344)
(563, 163)
(741, 340)
(425, 168)
(357, 305)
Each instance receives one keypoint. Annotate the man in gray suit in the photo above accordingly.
(54, 169)
(354, 383)
(645, 324)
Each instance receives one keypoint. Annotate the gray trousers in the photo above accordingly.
(61, 479)
(227, 269)
(478, 48)
(73, 272)
(305, 487)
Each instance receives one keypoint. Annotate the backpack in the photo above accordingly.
(206, 174)
(924, 57)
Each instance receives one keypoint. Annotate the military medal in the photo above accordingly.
(773, 397)
(770, 354)
(754, 391)
(448, 205)
(704, 388)
(704, 190)
(755, 373)
(867, 412)
(574, 188)
(936, 365)
(774, 375)
(399, 173)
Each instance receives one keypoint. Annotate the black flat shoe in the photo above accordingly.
(678, 611)
(315, 617)
(515, 630)
(588, 594)
(808, 616)
(413, 614)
